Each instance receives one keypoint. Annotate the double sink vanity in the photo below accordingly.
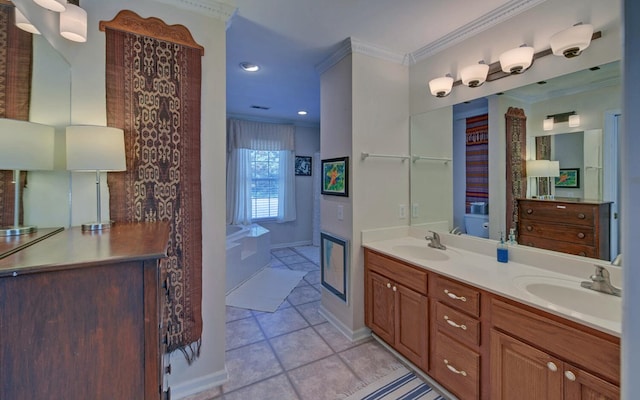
(481, 329)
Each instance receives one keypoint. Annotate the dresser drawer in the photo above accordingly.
(457, 325)
(556, 245)
(457, 295)
(456, 367)
(579, 234)
(411, 277)
(569, 213)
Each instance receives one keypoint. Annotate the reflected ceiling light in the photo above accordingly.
(571, 42)
(574, 121)
(23, 23)
(73, 23)
(516, 61)
(249, 67)
(302, 112)
(53, 5)
(474, 75)
(441, 87)
(547, 124)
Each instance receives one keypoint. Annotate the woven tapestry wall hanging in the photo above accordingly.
(543, 152)
(153, 94)
(516, 162)
(477, 160)
(16, 51)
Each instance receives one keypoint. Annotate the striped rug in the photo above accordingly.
(401, 384)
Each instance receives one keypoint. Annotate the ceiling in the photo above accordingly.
(289, 38)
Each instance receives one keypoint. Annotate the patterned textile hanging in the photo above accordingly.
(516, 139)
(477, 160)
(153, 94)
(543, 152)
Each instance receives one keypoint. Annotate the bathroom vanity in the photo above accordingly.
(486, 330)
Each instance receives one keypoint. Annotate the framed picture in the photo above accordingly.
(569, 178)
(303, 165)
(334, 264)
(335, 176)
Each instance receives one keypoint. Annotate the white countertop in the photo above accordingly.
(509, 279)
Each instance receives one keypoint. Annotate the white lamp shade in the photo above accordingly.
(547, 124)
(474, 75)
(537, 168)
(25, 145)
(73, 24)
(23, 23)
(53, 5)
(441, 87)
(554, 169)
(95, 148)
(571, 42)
(574, 121)
(516, 60)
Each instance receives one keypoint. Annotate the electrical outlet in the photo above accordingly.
(402, 211)
(414, 210)
(340, 212)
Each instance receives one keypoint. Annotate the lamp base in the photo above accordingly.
(97, 226)
(17, 230)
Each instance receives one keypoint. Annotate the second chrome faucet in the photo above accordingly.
(434, 241)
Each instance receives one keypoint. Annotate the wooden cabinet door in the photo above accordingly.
(580, 385)
(411, 325)
(381, 306)
(519, 371)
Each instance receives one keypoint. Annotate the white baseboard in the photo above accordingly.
(292, 244)
(199, 385)
(350, 334)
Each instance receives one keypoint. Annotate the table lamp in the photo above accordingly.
(537, 169)
(24, 146)
(95, 149)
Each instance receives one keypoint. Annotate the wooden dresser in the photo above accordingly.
(80, 315)
(569, 226)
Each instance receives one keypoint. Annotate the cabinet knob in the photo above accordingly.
(581, 235)
(570, 375)
(529, 211)
(395, 289)
(454, 296)
(581, 216)
(529, 228)
(388, 285)
(452, 323)
(552, 366)
(453, 369)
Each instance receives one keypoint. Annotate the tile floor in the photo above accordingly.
(294, 353)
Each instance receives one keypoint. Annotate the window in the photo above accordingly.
(265, 166)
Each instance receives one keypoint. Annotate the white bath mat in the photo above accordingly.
(266, 290)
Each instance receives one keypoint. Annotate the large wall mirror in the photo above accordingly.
(46, 195)
(591, 148)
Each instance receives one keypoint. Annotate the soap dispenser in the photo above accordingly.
(512, 237)
(503, 250)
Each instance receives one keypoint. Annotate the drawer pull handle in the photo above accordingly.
(552, 366)
(453, 369)
(570, 375)
(388, 286)
(453, 296)
(563, 207)
(450, 322)
(580, 235)
(395, 288)
(529, 211)
(529, 228)
(581, 216)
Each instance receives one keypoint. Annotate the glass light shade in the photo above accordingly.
(553, 169)
(93, 148)
(574, 120)
(441, 87)
(516, 61)
(53, 5)
(474, 75)
(25, 145)
(23, 23)
(537, 168)
(547, 124)
(73, 24)
(571, 42)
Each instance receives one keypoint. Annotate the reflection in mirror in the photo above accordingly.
(591, 148)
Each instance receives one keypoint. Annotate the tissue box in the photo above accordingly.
(479, 207)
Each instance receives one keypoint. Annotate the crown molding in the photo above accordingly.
(352, 45)
(219, 9)
(492, 18)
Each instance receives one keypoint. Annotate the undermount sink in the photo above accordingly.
(569, 297)
(420, 252)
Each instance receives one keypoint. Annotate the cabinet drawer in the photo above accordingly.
(457, 325)
(456, 367)
(408, 276)
(570, 213)
(457, 295)
(580, 234)
(556, 245)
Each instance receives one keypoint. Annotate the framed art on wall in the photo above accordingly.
(569, 178)
(303, 166)
(334, 264)
(335, 176)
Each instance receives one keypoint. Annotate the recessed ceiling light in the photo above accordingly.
(302, 112)
(249, 67)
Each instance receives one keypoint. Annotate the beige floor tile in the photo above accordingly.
(250, 364)
(276, 388)
(243, 332)
(299, 348)
(310, 312)
(283, 252)
(281, 322)
(335, 338)
(206, 395)
(370, 360)
(313, 277)
(324, 379)
(234, 313)
(304, 294)
(293, 259)
(285, 304)
(304, 266)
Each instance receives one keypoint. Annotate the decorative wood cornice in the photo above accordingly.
(129, 21)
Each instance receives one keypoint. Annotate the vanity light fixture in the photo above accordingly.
(518, 60)
(547, 124)
(23, 23)
(441, 87)
(572, 42)
(474, 75)
(53, 5)
(73, 22)
(571, 117)
(249, 67)
(574, 121)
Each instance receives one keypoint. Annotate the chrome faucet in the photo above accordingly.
(434, 241)
(601, 282)
(455, 231)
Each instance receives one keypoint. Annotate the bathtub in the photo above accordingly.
(248, 251)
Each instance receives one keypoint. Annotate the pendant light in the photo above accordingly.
(53, 5)
(73, 22)
(23, 23)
